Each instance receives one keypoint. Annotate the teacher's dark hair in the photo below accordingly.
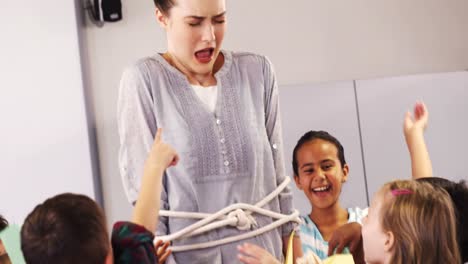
(164, 5)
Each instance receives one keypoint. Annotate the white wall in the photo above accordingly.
(309, 41)
(328, 40)
(107, 51)
(44, 144)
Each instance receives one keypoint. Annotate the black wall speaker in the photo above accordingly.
(108, 10)
(111, 10)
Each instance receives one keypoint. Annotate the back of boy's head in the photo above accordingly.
(67, 228)
(459, 194)
(3, 223)
(313, 135)
(422, 220)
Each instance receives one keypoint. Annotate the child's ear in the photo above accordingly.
(345, 173)
(298, 183)
(389, 241)
(161, 18)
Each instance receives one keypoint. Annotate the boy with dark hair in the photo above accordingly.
(67, 228)
(70, 228)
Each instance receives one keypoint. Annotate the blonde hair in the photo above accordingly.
(422, 221)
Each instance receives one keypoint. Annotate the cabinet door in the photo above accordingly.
(330, 107)
(382, 106)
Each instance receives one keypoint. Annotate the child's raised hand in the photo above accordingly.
(161, 251)
(160, 157)
(161, 154)
(417, 124)
(413, 128)
(252, 254)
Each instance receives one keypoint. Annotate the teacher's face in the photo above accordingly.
(195, 31)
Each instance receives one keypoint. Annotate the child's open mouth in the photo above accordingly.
(204, 55)
(322, 190)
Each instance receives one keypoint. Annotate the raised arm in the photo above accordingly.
(146, 209)
(413, 128)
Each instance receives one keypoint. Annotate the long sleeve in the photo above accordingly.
(274, 131)
(137, 127)
(132, 243)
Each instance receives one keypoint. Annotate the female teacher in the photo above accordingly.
(219, 110)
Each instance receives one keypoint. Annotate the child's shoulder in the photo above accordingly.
(306, 222)
(311, 238)
(356, 214)
(308, 227)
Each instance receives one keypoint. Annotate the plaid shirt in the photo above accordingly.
(133, 243)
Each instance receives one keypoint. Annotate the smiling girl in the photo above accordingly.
(320, 170)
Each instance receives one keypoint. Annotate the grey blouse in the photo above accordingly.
(232, 155)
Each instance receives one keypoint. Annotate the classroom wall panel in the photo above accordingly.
(382, 106)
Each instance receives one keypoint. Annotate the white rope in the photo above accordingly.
(236, 215)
